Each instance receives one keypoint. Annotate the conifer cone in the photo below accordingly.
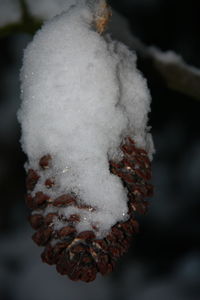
(81, 255)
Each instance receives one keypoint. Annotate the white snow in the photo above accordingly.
(81, 94)
(9, 12)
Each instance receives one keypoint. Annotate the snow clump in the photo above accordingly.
(81, 95)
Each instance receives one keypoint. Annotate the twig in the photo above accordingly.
(174, 72)
(177, 75)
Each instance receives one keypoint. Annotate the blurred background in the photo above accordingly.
(164, 260)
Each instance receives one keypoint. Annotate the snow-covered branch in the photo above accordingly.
(176, 74)
(174, 71)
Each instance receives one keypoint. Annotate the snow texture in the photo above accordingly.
(9, 12)
(82, 94)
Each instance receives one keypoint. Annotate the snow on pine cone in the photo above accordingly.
(84, 117)
(82, 255)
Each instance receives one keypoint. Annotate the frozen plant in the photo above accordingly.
(84, 126)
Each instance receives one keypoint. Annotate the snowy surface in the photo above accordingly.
(9, 12)
(81, 95)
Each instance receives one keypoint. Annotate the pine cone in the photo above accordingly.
(82, 255)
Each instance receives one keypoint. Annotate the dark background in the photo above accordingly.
(164, 260)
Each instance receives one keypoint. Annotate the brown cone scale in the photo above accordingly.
(81, 255)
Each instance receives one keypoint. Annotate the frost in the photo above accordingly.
(82, 93)
(9, 12)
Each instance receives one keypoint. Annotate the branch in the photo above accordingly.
(176, 74)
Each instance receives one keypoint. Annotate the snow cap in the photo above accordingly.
(81, 95)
